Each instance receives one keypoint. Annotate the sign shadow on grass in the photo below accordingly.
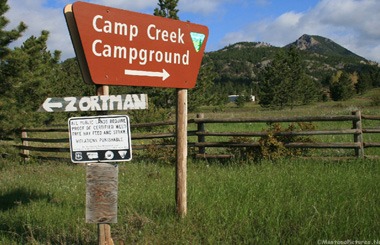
(19, 196)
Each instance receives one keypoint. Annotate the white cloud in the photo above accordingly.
(38, 16)
(48, 15)
(351, 23)
(38, 19)
(277, 31)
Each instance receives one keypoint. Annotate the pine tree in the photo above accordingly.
(284, 82)
(343, 89)
(364, 83)
(31, 73)
(167, 9)
(201, 94)
(7, 37)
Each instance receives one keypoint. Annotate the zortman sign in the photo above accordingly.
(96, 103)
(120, 47)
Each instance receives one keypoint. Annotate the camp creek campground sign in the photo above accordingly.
(120, 47)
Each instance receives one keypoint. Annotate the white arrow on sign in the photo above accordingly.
(47, 105)
(164, 74)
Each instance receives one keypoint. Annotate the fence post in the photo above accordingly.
(358, 138)
(25, 143)
(201, 138)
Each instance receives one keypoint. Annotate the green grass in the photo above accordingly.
(290, 201)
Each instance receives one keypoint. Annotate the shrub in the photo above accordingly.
(375, 100)
(273, 145)
(160, 151)
(248, 153)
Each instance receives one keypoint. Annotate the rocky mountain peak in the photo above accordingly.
(306, 42)
(322, 46)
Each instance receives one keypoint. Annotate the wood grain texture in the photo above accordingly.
(181, 167)
(101, 193)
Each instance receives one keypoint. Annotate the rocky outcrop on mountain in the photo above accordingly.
(306, 42)
(323, 46)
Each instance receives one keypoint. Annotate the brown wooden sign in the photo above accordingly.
(120, 47)
(101, 193)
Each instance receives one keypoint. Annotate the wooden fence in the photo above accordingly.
(209, 143)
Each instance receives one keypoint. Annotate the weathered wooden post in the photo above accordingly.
(358, 137)
(104, 228)
(101, 198)
(201, 138)
(25, 144)
(181, 167)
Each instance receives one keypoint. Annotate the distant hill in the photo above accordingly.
(324, 46)
(240, 63)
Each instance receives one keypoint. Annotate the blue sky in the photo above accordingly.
(353, 24)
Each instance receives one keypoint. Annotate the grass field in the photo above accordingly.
(289, 201)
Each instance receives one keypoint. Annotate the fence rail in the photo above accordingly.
(215, 140)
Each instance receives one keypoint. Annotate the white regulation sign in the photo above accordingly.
(100, 139)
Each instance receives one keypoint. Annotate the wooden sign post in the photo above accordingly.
(124, 48)
(101, 198)
(99, 141)
(181, 167)
(104, 229)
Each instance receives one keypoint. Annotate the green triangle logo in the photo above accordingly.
(198, 39)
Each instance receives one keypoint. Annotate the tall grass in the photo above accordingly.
(289, 201)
